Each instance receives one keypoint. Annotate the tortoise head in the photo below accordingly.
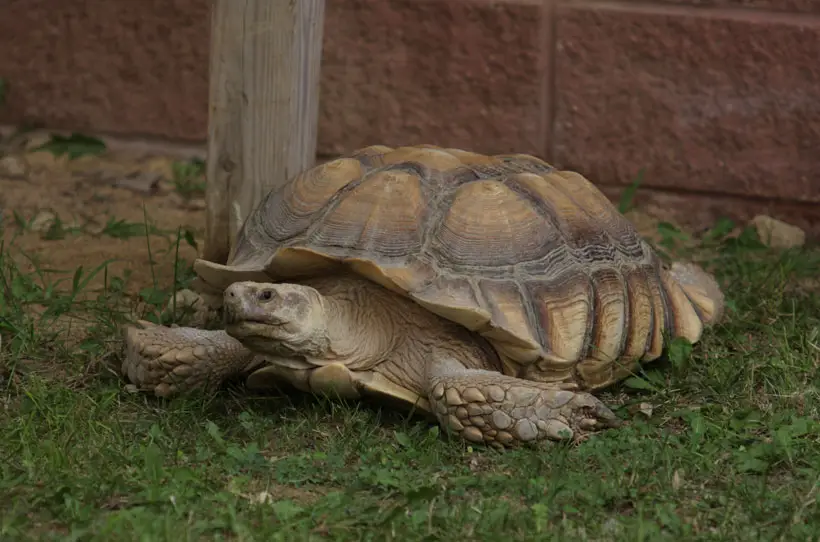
(276, 319)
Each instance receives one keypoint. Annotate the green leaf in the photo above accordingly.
(680, 350)
(74, 146)
(698, 425)
(287, 509)
(722, 228)
(747, 240)
(75, 281)
(421, 494)
(215, 433)
(752, 464)
(638, 383)
(153, 296)
(668, 230)
(403, 439)
(801, 427)
(625, 201)
(153, 462)
(188, 235)
(121, 229)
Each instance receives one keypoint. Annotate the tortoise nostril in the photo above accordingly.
(265, 295)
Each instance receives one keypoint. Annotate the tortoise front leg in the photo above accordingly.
(172, 360)
(489, 407)
(202, 305)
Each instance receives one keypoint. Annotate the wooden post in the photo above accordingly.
(264, 106)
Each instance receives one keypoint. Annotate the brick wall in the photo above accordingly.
(718, 100)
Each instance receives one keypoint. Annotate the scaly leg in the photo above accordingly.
(173, 360)
(201, 307)
(499, 410)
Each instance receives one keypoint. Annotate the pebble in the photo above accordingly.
(14, 167)
(775, 233)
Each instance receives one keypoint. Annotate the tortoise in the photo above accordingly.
(494, 293)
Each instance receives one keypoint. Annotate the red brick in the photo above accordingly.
(786, 6)
(399, 71)
(461, 73)
(134, 67)
(713, 104)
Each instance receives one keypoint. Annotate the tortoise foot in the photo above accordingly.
(503, 411)
(171, 360)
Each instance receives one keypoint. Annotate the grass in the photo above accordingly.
(189, 178)
(722, 440)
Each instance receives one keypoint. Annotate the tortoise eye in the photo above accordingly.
(265, 295)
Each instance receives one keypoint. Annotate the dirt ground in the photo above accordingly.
(98, 204)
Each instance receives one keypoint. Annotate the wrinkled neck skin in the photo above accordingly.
(366, 327)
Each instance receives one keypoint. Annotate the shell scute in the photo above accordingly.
(382, 215)
(512, 318)
(433, 158)
(609, 314)
(456, 298)
(639, 310)
(654, 346)
(486, 224)
(563, 310)
(296, 207)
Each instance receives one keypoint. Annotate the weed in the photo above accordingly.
(73, 146)
(189, 178)
(626, 201)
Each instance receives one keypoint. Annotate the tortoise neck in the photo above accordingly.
(362, 325)
(372, 328)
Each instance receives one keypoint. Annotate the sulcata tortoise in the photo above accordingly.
(492, 292)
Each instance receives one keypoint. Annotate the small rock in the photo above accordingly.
(778, 234)
(36, 139)
(192, 204)
(676, 480)
(142, 182)
(263, 497)
(14, 167)
(646, 409)
(42, 221)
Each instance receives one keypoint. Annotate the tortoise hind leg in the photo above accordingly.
(489, 407)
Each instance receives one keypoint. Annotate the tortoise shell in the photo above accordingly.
(536, 260)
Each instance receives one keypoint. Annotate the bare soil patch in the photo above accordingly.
(98, 204)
